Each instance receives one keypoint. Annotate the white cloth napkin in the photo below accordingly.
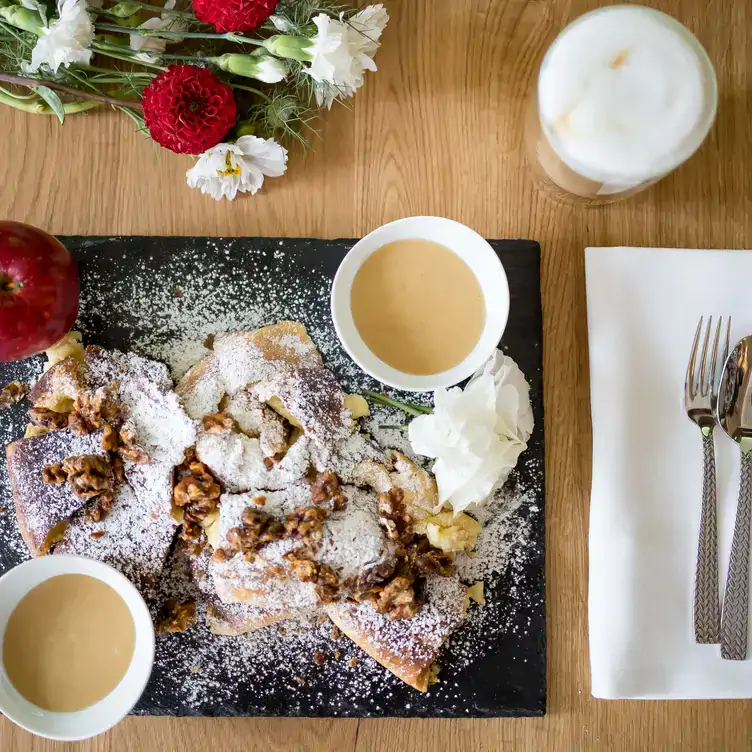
(643, 308)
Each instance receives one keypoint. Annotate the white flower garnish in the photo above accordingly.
(157, 45)
(226, 169)
(66, 40)
(269, 69)
(342, 51)
(477, 434)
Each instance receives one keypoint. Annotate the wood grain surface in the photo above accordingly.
(438, 130)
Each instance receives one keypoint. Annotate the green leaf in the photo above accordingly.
(124, 9)
(53, 100)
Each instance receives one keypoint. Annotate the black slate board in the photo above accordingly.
(510, 679)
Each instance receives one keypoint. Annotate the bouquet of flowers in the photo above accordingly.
(225, 80)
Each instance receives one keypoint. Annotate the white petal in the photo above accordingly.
(266, 154)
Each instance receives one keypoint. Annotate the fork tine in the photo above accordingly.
(713, 376)
(703, 383)
(690, 382)
(728, 343)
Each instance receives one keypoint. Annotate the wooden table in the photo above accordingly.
(436, 131)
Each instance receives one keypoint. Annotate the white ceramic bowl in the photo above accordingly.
(103, 715)
(472, 249)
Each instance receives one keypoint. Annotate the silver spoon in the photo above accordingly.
(735, 417)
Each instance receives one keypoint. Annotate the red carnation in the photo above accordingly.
(188, 110)
(234, 15)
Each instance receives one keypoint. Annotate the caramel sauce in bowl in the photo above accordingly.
(420, 303)
(77, 647)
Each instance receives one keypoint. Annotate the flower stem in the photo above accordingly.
(38, 108)
(410, 409)
(105, 49)
(158, 9)
(229, 36)
(9, 78)
(257, 92)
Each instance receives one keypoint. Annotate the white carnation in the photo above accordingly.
(66, 40)
(476, 435)
(342, 51)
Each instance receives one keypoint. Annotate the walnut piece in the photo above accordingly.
(197, 494)
(306, 524)
(326, 583)
(54, 474)
(398, 599)
(257, 530)
(178, 616)
(218, 423)
(394, 515)
(110, 438)
(89, 475)
(130, 449)
(92, 409)
(324, 487)
(319, 658)
(12, 393)
(49, 419)
(97, 510)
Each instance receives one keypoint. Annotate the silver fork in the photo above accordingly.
(700, 401)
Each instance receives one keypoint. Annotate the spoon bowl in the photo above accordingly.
(735, 417)
(735, 395)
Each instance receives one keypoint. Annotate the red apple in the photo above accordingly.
(38, 291)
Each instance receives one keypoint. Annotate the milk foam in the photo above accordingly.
(626, 94)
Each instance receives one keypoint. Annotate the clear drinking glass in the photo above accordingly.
(624, 95)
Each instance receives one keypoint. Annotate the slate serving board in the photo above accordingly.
(510, 678)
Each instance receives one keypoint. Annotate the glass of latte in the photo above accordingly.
(624, 95)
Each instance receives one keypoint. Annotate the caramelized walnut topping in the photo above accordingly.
(260, 500)
(220, 556)
(110, 438)
(88, 475)
(92, 410)
(118, 468)
(423, 559)
(96, 534)
(304, 569)
(306, 524)
(218, 423)
(392, 586)
(257, 530)
(197, 494)
(54, 474)
(327, 585)
(130, 448)
(394, 515)
(49, 419)
(268, 463)
(324, 487)
(178, 616)
(319, 658)
(12, 393)
(97, 510)
(336, 633)
(398, 599)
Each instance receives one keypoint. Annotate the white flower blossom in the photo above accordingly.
(476, 435)
(342, 51)
(227, 168)
(150, 47)
(66, 40)
(269, 69)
